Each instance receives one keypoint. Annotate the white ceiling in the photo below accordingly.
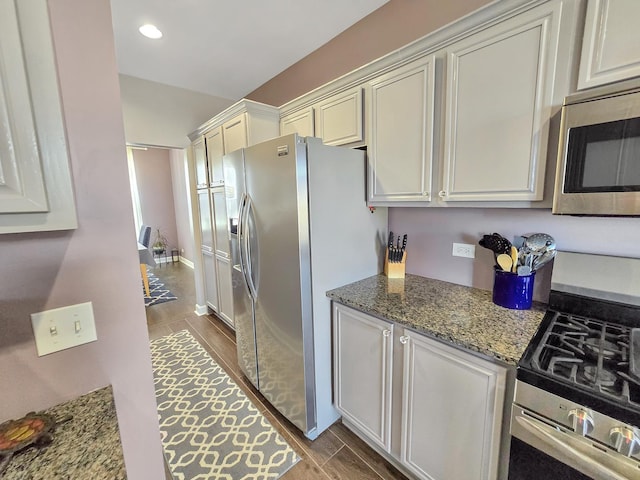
(226, 48)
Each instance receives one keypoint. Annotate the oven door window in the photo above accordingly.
(604, 157)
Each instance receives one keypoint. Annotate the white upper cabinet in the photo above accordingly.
(301, 122)
(499, 93)
(200, 163)
(235, 133)
(215, 152)
(610, 49)
(400, 116)
(338, 119)
(36, 191)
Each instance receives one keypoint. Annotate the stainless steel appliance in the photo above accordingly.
(599, 152)
(577, 393)
(299, 226)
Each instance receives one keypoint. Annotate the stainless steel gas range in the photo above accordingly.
(577, 396)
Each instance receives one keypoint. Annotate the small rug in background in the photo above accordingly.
(158, 293)
(209, 428)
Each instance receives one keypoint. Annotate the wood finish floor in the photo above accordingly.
(336, 454)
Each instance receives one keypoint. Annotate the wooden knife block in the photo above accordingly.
(394, 269)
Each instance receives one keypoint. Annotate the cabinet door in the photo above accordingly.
(610, 46)
(234, 133)
(200, 162)
(225, 291)
(400, 122)
(36, 188)
(204, 214)
(301, 122)
(220, 231)
(210, 280)
(215, 152)
(499, 92)
(452, 411)
(339, 118)
(362, 372)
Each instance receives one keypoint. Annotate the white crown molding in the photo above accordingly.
(242, 106)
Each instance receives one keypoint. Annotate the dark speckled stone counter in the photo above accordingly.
(462, 316)
(86, 447)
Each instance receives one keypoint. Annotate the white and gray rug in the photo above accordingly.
(209, 428)
(158, 292)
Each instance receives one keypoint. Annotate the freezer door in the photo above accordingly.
(278, 219)
(233, 166)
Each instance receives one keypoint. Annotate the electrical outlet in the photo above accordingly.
(464, 250)
(63, 328)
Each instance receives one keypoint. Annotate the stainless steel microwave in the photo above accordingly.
(598, 169)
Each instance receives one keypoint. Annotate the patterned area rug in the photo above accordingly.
(209, 428)
(159, 294)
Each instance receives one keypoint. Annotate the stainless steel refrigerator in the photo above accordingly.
(299, 226)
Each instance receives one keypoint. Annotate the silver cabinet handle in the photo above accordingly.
(425, 194)
(404, 339)
(386, 333)
(442, 194)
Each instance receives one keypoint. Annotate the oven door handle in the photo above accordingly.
(591, 461)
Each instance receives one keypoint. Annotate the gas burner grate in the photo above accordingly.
(589, 353)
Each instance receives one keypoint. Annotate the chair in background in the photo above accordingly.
(145, 235)
(144, 238)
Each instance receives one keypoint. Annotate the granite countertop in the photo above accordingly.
(462, 316)
(85, 447)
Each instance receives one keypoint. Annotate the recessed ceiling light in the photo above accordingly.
(150, 31)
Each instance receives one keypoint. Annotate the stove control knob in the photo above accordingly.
(625, 441)
(581, 421)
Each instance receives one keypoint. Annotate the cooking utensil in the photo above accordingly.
(496, 243)
(404, 246)
(539, 243)
(505, 262)
(514, 259)
(524, 270)
(543, 259)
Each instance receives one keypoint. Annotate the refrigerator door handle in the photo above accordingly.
(249, 277)
(241, 242)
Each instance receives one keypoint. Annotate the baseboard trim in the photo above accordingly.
(187, 262)
(201, 310)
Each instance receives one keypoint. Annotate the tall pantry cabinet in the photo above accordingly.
(241, 125)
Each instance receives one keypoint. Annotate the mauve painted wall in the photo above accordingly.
(155, 190)
(98, 262)
(432, 232)
(392, 26)
(182, 203)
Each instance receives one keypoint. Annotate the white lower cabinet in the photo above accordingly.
(452, 402)
(210, 281)
(225, 291)
(451, 411)
(362, 368)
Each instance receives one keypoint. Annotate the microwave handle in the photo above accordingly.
(593, 463)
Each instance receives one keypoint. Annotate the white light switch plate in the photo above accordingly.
(63, 328)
